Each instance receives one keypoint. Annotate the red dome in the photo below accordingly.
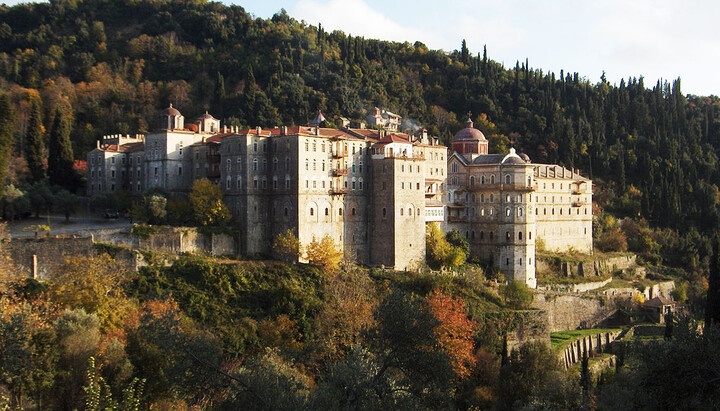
(469, 133)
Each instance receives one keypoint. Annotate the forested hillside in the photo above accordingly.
(110, 65)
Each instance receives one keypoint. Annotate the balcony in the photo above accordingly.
(578, 203)
(339, 154)
(337, 172)
(431, 193)
(457, 219)
(338, 191)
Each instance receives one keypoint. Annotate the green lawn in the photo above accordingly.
(558, 340)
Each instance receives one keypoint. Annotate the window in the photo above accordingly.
(353, 211)
(112, 160)
(529, 235)
(520, 235)
(384, 212)
(180, 170)
(307, 164)
(264, 165)
(340, 211)
(472, 180)
(255, 147)
(286, 211)
(314, 165)
(312, 211)
(482, 235)
(507, 178)
(492, 180)
(507, 236)
(327, 211)
(255, 164)
(507, 212)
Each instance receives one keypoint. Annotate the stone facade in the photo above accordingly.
(504, 203)
(366, 189)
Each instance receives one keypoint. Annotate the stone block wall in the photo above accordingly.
(51, 253)
(569, 312)
(589, 345)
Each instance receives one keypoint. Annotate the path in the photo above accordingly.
(59, 226)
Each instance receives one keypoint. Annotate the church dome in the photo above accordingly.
(469, 133)
(206, 116)
(171, 111)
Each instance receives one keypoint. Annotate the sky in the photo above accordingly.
(655, 39)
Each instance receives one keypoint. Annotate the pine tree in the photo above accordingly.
(35, 144)
(7, 120)
(60, 158)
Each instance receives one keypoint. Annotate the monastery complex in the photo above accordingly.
(372, 191)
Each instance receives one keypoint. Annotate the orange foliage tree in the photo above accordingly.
(454, 332)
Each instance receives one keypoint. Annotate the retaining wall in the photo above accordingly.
(589, 344)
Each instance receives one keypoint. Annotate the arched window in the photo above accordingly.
(384, 212)
(482, 198)
(507, 235)
(492, 179)
(482, 179)
(507, 178)
(529, 235)
(402, 210)
(472, 180)
(520, 212)
(507, 211)
(492, 233)
(353, 211)
(409, 210)
(255, 164)
(340, 211)
(482, 235)
(327, 211)
(286, 212)
(312, 211)
(520, 235)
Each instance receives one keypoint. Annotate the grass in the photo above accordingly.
(558, 340)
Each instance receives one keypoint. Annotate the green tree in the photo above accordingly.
(208, 207)
(516, 295)
(60, 156)
(7, 126)
(35, 142)
(67, 203)
(41, 197)
(287, 247)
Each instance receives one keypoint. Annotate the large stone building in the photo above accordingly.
(505, 205)
(372, 191)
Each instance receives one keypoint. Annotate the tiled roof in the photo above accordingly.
(659, 302)
(488, 159)
(129, 147)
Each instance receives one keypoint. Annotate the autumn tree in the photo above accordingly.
(324, 253)
(286, 246)
(95, 284)
(208, 207)
(454, 332)
(35, 142)
(440, 252)
(60, 156)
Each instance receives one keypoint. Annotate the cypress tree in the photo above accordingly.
(60, 158)
(7, 120)
(35, 145)
(712, 305)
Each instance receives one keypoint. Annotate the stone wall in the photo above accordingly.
(51, 253)
(589, 344)
(599, 267)
(531, 325)
(571, 311)
(576, 288)
(171, 240)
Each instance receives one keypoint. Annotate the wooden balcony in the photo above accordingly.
(337, 172)
(338, 191)
(457, 219)
(339, 154)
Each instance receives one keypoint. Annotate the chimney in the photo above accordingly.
(283, 130)
(382, 133)
(258, 130)
(317, 131)
(98, 143)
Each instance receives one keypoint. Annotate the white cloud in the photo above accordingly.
(354, 17)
